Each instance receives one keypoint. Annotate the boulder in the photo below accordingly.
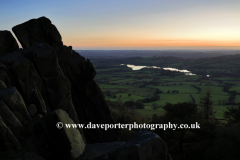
(37, 31)
(66, 143)
(145, 145)
(97, 111)
(28, 80)
(75, 67)
(32, 109)
(16, 104)
(24, 76)
(101, 151)
(7, 42)
(66, 76)
(4, 141)
(10, 119)
(57, 86)
(2, 85)
(87, 97)
(47, 76)
(4, 78)
(7, 138)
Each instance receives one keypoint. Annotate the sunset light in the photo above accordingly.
(136, 24)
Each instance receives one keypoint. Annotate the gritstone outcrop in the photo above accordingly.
(46, 82)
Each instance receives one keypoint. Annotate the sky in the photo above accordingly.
(133, 24)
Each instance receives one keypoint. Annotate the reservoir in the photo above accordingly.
(186, 72)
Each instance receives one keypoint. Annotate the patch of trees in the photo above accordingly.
(110, 93)
(153, 98)
(139, 105)
(232, 97)
(180, 113)
(175, 91)
(124, 115)
(227, 86)
(134, 105)
(121, 90)
(143, 85)
(232, 115)
(128, 104)
(193, 99)
(155, 106)
(167, 73)
(158, 91)
(198, 88)
(233, 94)
(199, 143)
(128, 76)
(153, 82)
(222, 102)
(115, 104)
(205, 105)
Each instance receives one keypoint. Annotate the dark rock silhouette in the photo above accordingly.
(67, 76)
(8, 140)
(56, 85)
(7, 42)
(37, 31)
(10, 119)
(31, 156)
(67, 143)
(16, 104)
(145, 145)
(47, 82)
(104, 151)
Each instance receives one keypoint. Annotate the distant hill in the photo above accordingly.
(113, 54)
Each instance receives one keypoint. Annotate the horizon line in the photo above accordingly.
(158, 48)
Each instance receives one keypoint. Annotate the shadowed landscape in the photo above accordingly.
(120, 80)
(177, 78)
(46, 82)
(176, 86)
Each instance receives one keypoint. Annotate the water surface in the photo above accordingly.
(186, 72)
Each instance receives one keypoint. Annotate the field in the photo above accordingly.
(133, 85)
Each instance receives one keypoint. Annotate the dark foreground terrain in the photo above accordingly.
(47, 82)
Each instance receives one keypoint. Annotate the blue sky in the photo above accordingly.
(133, 24)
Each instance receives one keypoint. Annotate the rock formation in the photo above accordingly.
(47, 82)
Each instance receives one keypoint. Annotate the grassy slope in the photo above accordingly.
(133, 85)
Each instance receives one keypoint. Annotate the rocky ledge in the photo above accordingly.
(47, 82)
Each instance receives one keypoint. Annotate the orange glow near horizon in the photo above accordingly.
(197, 25)
(136, 24)
(153, 43)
